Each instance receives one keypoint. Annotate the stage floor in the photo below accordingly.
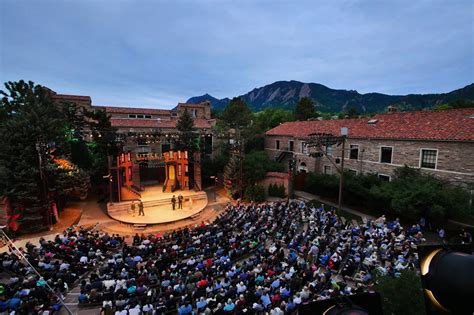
(157, 207)
(156, 192)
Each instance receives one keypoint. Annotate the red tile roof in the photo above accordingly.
(131, 110)
(455, 124)
(72, 97)
(154, 123)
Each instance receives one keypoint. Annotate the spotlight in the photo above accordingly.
(447, 274)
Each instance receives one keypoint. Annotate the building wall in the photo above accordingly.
(310, 164)
(275, 178)
(201, 110)
(153, 116)
(455, 162)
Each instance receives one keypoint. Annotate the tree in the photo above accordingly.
(187, 137)
(232, 175)
(271, 117)
(304, 110)
(462, 103)
(401, 295)
(31, 126)
(67, 181)
(39, 138)
(102, 145)
(352, 113)
(237, 114)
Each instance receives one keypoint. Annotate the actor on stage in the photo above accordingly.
(132, 208)
(140, 209)
(173, 202)
(180, 202)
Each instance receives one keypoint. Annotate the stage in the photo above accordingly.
(157, 206)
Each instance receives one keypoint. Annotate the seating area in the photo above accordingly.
(253, 259)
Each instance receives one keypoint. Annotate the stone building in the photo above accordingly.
(438, 143)
(149, 130)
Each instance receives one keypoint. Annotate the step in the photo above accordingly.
(139, 226)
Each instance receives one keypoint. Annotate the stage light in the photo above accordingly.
(447, 275)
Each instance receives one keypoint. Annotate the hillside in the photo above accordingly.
(285, 94)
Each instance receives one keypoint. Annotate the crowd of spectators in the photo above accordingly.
(253, 259)
(53, 266)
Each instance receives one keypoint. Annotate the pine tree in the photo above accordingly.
(103, 144)
(37, 138)
(30, 123)
(231, 174)
(237, 114)
(187, 137)
(304, 110)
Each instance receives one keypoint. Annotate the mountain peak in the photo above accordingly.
(286, 94)
(215, 102)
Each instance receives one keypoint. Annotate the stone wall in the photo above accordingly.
(454, 163)
(275, 178)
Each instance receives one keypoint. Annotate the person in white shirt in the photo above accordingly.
(84, 260)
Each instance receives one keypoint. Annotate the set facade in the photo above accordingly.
(439, 143)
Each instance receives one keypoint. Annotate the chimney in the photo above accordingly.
(392, 109)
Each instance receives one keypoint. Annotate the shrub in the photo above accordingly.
(277, 190)
(407, 301)
(271, 189)
(255, 193)
(323, 185)
(410, 194)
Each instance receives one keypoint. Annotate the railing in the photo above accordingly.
(125, 206)
(283, 153)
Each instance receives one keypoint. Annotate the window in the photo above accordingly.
(291, 145)
(383, 177)
(302, 167)
(329, 150)
(148, 116)
(139, 116)
(386, 155)
(428, 158)
(132, 116)
(354, 152)
(353, 172)
(327, 169)
(277, 144)
(304, 148)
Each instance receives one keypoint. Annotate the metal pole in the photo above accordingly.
(20, 255)
(341, 176)
(241, 166)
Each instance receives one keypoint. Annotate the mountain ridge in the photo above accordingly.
(285, 94)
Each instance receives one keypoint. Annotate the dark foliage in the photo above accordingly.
(304, 109)
(410, 194)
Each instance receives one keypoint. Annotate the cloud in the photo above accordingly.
(151, 52)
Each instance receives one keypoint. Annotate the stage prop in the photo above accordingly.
(169, 169)
(153, 179)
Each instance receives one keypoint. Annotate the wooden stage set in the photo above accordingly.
(157, 206)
